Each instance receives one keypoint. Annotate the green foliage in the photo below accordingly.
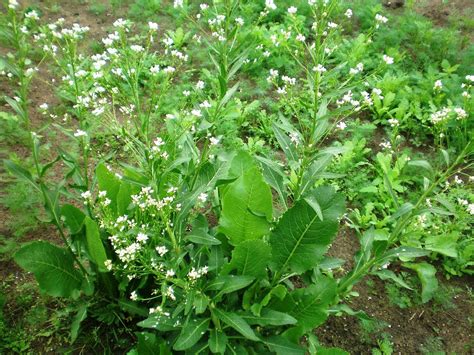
(203, 180)
(53, 268)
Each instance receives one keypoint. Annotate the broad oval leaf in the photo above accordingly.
(52, 266)
(427, 274)
(251, 257)
(217, 341)
(301, 237)
(246, 208)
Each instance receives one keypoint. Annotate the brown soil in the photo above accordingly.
(440, 11)
(411, 330)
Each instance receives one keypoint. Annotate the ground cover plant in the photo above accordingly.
(197, 163)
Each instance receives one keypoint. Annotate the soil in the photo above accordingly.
(411, 330)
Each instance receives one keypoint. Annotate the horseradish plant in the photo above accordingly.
(184, 237)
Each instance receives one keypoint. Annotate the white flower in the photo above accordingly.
(470, 208)
(44, 106)
(153, 26)
(281, 90)
(169, 70)
(387, 59)
(200, 85)
(136, 48)
(108, 264)
(32, 14)
(161, 250)
(460, 113)
(13, 4)
(177, 3)
(186, 93)
(393, 122)
(214, 141)
(300, 38)
(120, 23)
(240, 21)
(134, 296)
(341, 125)
(204, 7)
(438, 85)
(170, 273)
(348, 13)
(155, 69)
(195, 274)
(270, 4)
(319, 69)
(196, 113)
(205, 104)
(202, 197)
(86, 195)
(292, 10)
(381, 19)
(80, 133)
(142, 237)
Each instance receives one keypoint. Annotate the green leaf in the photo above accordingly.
(149, 344)
(270, 317)
(427, 274)
(109, 183)
(124, 197)
(312, 303)
(301, 238)
(73, 218)
(285, 143)
(191, 333)
(200, 302)
(445, 244)
(20, 172)
(405, 252)
(246, 208)
(217, 341)
(234, 283)
(52, 266)
(282, 346)
(94, 244)
(390, 275)
(159, 322)
(204, 239)
(236, 322)
(312, 174)
(251, 257)
(77, 320)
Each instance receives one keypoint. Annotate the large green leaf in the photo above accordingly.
(238, 323)
(94, 244)
(312, 303)
(246, 208)
(282, 346)
(109, 183)
(191, 333)
(270, 317)
(73, 218)
(217, 341)
(427, 274)
(52, 266)
(251, 257)
(301, 237)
